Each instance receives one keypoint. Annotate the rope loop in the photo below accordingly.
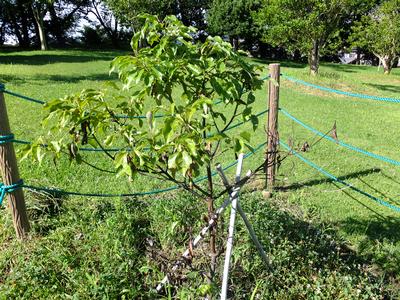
(4, 139)
(4, 189)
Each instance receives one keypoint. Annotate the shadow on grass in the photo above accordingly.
(313, 251)
(380, 243)
(41, 79)
(313, 182)
(5, 78)
(74, 79)
(44, 59)
(385, 87)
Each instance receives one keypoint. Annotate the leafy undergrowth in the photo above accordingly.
(119, 249)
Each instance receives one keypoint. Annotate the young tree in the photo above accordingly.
(232, 18)
(175, 77)
(311, 26)
(379, 32)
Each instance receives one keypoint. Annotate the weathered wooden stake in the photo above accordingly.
(10, 175)
(272, 126)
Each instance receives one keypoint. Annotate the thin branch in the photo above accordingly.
(181, 184)
(102, 148)
(92, 165)
(232, 118)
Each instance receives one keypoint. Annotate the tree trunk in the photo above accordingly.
(211, 212)
(213, 230)
(236, 43)
(313, 58)
(40, 25)
(358, 59)
(56, 26)
(16, 30)
(387, 62)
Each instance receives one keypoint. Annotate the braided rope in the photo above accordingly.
(348, 146)
(329, 175)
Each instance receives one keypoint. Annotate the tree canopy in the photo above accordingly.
(190, 12)
(379, 32)
(311, 26)
(233, 18)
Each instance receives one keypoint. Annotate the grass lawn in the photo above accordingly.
(325, 240)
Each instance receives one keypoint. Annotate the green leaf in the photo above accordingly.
(173, 160)
(187, 161)
(195, 69)
(246, 135)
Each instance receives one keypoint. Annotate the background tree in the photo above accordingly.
(64, 16)
(128, 10)
(190, 12)
(359, 9)
(106, 25)
(17, 16)
(233, 18)
(379, 32)
(310, 26)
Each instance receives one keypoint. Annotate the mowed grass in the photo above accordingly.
(304, 197)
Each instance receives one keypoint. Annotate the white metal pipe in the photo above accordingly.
(231, 230)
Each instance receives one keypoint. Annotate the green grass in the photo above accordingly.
(325, 241)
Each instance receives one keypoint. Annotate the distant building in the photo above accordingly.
(356, 57)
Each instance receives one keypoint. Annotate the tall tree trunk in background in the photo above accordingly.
(313, 58)
(39, 14)
(16, 29)
(25, 24)
(387, 62)
(358, 59)
(235, 43)
(56, 27)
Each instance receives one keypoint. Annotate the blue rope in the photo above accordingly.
(24, 97)
(242, 122)
(330, 90)
(329, 175)
(22, 142)
(3, 89)
(4, 189)
(348, 146)
(154, 192)
(4, 139)
(140, 117)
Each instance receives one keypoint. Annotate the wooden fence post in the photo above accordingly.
(10, 175)
(272, 126)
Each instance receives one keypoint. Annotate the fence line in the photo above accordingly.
(6, 139)
(348, 146)
(56, 191)
(10, 138)
(37, 101)
(349, 94)
(329, 175)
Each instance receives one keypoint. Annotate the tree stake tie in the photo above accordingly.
(4, 189)
(4, 139)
